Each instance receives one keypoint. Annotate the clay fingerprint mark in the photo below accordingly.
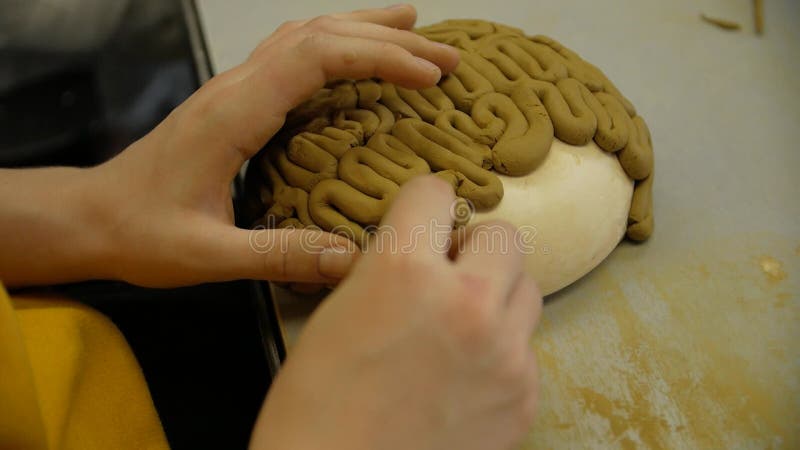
(772, 268)
(342, 155)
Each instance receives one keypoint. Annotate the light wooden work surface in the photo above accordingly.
(691, 340)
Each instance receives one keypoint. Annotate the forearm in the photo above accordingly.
(51, 226)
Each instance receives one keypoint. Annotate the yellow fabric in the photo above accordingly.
(68, 380)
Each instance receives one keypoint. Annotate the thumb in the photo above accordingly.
(297, 255)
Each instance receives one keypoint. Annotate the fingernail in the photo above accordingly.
(429, 67)
(335, 262)
(396, 6)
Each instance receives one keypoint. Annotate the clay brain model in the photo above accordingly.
(504, 119)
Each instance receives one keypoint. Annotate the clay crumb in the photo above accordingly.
(758, 16)
(772, 268)
(721, 23)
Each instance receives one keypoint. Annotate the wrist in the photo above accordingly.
(96, 215)
(51, 226)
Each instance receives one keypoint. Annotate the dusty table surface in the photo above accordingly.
(691, 340)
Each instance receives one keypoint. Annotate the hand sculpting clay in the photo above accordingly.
(342, 155)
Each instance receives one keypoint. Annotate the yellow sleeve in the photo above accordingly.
(69, 380)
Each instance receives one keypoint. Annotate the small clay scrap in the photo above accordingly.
(758, 16)
(722, 23)
(343, 155)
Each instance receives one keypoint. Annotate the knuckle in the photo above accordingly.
(391, 51)
(504, 227)
(281, 263)
(496, 237)
(406, 268)
(470, 321)
(416, 39)
(388, 48)
(434, 186)
(320, 23)
(513, 370)
(311, 42)
(285, 26)
(276, 265)
(349, 57)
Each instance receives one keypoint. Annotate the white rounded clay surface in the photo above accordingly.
(573, 210)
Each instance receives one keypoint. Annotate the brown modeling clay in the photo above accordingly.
(343, 155)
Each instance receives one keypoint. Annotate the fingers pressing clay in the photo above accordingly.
(360, 58)
(302, 57)
(401, 16)
(355, 143)
(297, 255)
(444, 56)
(491, 248)
(420, 220)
